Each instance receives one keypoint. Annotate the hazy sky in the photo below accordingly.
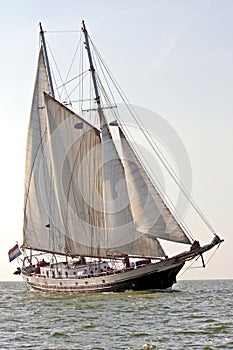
(173, 57)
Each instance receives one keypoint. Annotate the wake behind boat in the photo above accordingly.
(93, 218)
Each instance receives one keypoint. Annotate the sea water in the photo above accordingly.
(196, 315)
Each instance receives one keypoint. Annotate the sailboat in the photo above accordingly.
(84, 229)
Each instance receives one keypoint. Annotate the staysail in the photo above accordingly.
(150, 213)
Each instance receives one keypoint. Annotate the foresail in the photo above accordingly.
(117, 209)
(149, 211)
(38, 192)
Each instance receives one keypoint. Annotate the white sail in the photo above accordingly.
(120, 225)
(143, 245)
(37, 231)
(74, 147)
(117, 209)
(150, 213)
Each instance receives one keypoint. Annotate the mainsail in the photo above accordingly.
(74, 147)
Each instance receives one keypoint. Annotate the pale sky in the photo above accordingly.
(172, 57)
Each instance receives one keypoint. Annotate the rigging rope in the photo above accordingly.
(142, 160)
(106, 72)
(72, 61)
(159, 187)
(72, 79)
(62, 31)
(167, 166)
(66, 81)
(198, 267)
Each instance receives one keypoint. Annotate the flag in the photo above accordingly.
(78, 125)
(14, 252)
(114, 123)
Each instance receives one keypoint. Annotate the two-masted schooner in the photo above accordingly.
(85, 230)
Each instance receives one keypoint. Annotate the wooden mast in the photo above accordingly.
(93, 73)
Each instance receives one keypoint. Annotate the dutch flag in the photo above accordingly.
(14, 252)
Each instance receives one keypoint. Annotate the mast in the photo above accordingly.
(93, 73)
(47, 61)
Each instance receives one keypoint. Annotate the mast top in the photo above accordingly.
(92, 69)
(83, 26)
(46, 60)
(41, 29)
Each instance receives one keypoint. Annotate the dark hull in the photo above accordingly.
(156, 281)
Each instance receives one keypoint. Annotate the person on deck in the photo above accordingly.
(126, 261)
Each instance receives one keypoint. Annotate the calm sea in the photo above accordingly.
(196, 315)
